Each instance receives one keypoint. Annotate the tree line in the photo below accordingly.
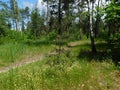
(91, 18)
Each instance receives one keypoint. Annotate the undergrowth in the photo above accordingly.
(69, 72)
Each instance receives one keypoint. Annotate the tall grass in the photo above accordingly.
(75, 70)
(11, 52)
(69, 73)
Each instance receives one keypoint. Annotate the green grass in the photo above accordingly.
(71, 72)
(12, 52)
(65, 75)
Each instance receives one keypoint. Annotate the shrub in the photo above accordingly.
(15, 36)
(114, 42)
(52, 35)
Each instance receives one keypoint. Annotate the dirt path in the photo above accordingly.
(77, 43)
(31, 59)
(23, 62)
(27, 60)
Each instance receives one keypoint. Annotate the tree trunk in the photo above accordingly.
(97, 21)
(16, 22)
(59, 17)
(47, 26)
(23, 28)
(91, 27)
(59, 30)
(79, 18)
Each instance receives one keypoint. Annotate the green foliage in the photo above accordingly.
(115, 40)
(3, 22)
(52, 35)
(77, 68)
(14, 9)
(113, 14)
(69, 72)
(15, 36)
(66, 73)
(3, 30)
(114, 45)
(10, 52)
(36, 23)
(99, 12)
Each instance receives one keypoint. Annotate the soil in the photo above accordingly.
(27, 60)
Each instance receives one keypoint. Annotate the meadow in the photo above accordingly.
(59, 44)
(76, 69)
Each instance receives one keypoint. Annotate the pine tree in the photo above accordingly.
(14, 12)
(36, 23)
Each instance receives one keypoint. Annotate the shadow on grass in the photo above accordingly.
(102, 53)
(37, 42)
(43, 42)
(99, 56)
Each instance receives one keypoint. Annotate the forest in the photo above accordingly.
(59, 44)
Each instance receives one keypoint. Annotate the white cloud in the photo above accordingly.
(41, 5)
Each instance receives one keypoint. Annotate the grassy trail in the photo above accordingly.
(21, 63)
(75, 70)
(16, 55)
(31, 59)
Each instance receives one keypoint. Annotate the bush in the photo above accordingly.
(114, 42)
(3, 30)
(52, 35)
(15, 36)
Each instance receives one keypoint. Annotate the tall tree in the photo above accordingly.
(24, 15)
(36, 23)
(97, 22)
(59, 17)
(49, 16)
(14, 12)
(112, 18)
(90, 10)
(4, 24)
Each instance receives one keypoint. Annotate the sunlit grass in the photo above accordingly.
(70, 72)
(67, 75)
(12, 52)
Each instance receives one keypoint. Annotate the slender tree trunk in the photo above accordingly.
(79, 19)
(35, 33)
(13, 22)
(91, 27)
(59, 17)
(16, 22)
(97, 21)
(23, 28)
(47, 26)
(66, 8)
(59, 29)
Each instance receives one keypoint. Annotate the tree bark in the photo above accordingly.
(59, 29)
(97, 21)
(23, 28)
(16, 22)
(91, 26)
(59, 17)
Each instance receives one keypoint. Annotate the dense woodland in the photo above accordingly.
(81, 35)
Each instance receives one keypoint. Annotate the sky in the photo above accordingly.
(30, 3)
